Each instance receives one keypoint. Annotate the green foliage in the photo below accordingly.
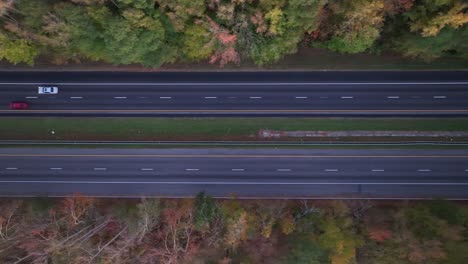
(133, 37)
(304, 14)
(358, 25)
(182, 12)
(38, 207)
(33, 12)
(197, 43)
(422, 223)
(456, 252)
(305, 251)
(388, 252)
(17, 50)
(447, 211)
(127, 213)
(428, 17)
(206, 211)
(448, 42)
(340, 240)
(354, 42)
(270, 49)
(140, 4)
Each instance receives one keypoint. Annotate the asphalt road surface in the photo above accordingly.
(335, 173)
(238, 94)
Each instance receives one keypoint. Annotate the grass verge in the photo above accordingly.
(200, 128)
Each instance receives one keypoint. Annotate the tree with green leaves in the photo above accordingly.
(306, 251)
(357, 25)
(206, 210)
(17, 50)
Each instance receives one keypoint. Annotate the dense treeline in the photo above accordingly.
(154, 32)
(79, 230)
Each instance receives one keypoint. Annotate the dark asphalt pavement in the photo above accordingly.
(239, 94)
(244, 172)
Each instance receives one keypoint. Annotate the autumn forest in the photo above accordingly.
(79, 229)
(157, 32)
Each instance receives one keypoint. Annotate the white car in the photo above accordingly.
(47, 90)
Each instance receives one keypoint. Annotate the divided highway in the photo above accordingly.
(243, 172)
(239, 94)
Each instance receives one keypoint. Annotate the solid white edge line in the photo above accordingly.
(242, 83)
(246, 183)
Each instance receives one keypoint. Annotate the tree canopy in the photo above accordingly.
(155, 32)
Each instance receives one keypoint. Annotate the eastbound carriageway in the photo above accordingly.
(244, 172)
(239, 94)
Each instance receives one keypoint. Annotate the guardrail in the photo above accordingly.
(235, 143)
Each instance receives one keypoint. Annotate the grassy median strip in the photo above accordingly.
(200, 128)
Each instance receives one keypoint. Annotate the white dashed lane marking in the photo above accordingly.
(120, 97)
(191, 169)
(165, 97)
(255, 97)
(238, 169)
(301, 97)
(347, 97)
(283, 169)
(393, 97)
(210, 97)
(330, 170)
(11, 168)
(100, 169)
(31, 97)
(424, 170)
(76, 97)
(55, 168)
(376, 170)
(439, 97)
(146, 169)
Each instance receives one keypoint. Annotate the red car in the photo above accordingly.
(19, 105)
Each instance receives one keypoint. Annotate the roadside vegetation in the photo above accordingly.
(80, 229)
(202, 128)
(157, 32)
